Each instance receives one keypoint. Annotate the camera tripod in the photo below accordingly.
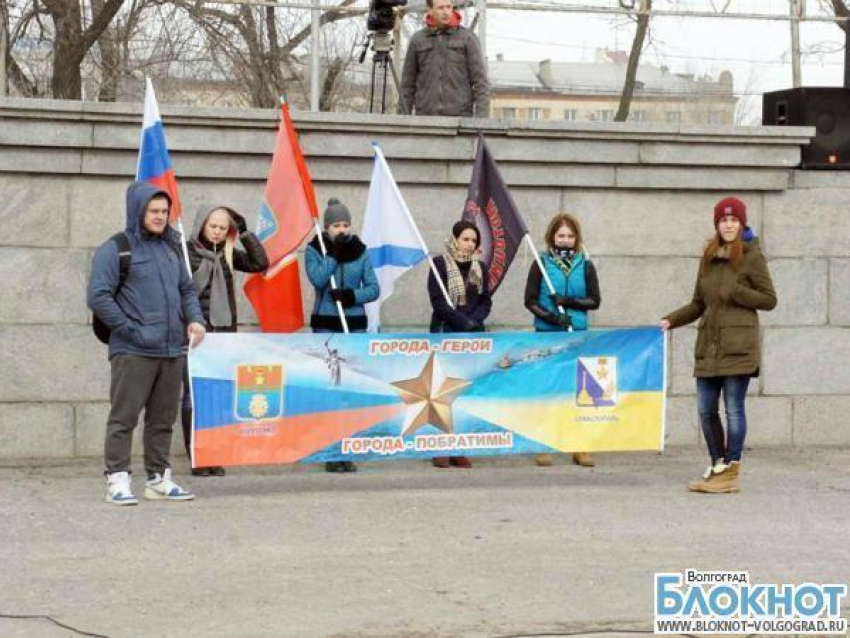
(382, 66)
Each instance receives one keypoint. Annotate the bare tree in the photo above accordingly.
(146, 38)
(72, 41)
(723, 8)
(841, 10)
(250, 39)
(634, 56)
(341, 88)
(20, 20)
(113, 45)
(4, 39)
(748, 106)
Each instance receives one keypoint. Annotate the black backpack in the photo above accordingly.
(100, 329)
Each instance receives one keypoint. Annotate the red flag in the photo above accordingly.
(286, 218)
(276, 297)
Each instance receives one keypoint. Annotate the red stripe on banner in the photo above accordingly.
(284, 440)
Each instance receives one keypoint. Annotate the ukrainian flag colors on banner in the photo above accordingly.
(275, 398)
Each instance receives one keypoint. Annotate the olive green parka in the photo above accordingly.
(725, 302)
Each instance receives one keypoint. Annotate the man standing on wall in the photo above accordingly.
(147, 310)
(444, 72)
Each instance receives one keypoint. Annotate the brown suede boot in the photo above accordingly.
(584, 459)
(708, 475)
(543, 460)
(724, 483)
(460, 461)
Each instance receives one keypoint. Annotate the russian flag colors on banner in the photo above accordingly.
(390, 234)
(312, 398)
(154, 165)
(287, 216)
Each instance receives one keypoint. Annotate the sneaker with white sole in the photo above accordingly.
(118, 490)
(160, 487)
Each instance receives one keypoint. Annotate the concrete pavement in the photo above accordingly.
(402, 549)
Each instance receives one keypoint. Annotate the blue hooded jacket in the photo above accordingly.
(149, 315)
(353, 270)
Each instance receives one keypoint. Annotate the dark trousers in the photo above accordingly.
(142, 383)
(186, 411)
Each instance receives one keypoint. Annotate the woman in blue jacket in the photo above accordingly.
(576, 285)
(348, 261)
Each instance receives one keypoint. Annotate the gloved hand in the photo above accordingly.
(560, 300)
(334, 245)
(564, 321)
(471, 326)
(343, 295)
(558, 319)
(239, 222)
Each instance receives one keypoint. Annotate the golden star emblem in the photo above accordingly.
(429, 398)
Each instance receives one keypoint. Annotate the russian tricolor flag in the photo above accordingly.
(154, 164)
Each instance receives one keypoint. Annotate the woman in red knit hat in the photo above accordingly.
(733, 282)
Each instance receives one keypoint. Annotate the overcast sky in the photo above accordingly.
(755, 51)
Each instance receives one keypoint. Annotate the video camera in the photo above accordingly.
(381, 18)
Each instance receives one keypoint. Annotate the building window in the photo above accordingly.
(638, 116)
(535, 114)
(508, 113)
(570, 115)
(603, 115)
(715, 117)
(673, 117)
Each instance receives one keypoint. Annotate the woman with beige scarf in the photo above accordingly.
(465, 279)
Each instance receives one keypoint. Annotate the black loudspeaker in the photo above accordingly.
(825, 108)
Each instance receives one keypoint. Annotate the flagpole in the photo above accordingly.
(548, 281)
(434, 270)
(333, 278)
(440, 282)
(184, 246)
(185, 249)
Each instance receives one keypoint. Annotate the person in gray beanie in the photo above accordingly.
(347, 260)
(336, 212)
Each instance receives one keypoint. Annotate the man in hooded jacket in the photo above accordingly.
(444, 71)
(152, 315)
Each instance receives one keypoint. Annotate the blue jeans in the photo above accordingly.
(728, 448)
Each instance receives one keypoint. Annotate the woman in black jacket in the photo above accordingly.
(213, 257)
(465, 279)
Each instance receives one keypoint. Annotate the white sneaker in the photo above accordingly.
(161, 487)
(714, 469)
(118, 490)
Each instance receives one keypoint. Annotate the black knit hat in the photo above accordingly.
(336, 212)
